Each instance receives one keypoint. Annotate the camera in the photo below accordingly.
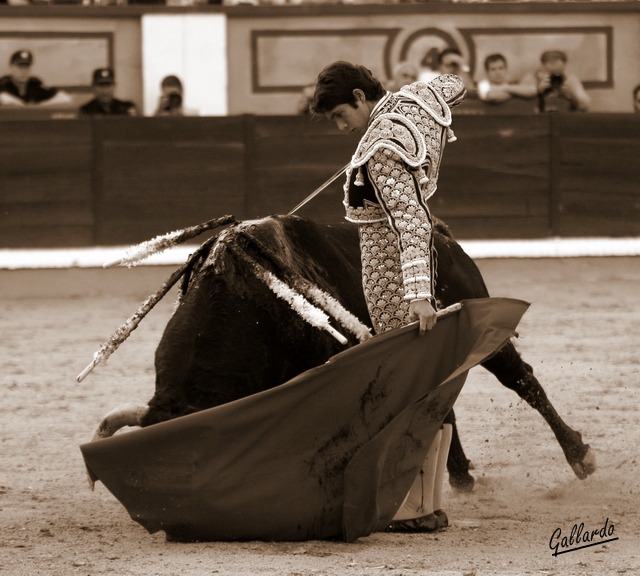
(557, 80)
(174, 101)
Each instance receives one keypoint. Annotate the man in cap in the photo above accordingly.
(20, 88)
(557, 91)
(104, 103)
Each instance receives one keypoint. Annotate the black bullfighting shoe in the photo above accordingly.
(443, 520)
(428, 523)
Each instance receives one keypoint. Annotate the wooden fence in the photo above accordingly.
(124, 180)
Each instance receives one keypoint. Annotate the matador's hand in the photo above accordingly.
(423, 311)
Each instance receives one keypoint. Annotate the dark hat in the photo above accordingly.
(22, 58)
(172, 81)
(103, 76)
(553, 55)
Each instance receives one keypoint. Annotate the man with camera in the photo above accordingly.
(171, 101)
(557, 91)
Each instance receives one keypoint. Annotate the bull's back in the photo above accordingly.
(232, 336)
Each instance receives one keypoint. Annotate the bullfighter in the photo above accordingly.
(392, 174)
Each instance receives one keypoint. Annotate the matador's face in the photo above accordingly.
(349, 118)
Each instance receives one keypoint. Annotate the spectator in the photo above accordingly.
(19, 87)
(303, 107)
(404, 73)
(555, 87)
(636, 99)
(495, 88)
(451, 61)
(172, 99)
(104, 104)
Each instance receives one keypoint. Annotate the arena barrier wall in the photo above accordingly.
(120, 181)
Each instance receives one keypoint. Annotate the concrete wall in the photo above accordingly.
(272, 58)
(67, 49)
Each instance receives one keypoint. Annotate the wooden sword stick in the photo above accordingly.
(318, 190)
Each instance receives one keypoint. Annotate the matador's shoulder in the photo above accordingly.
(447, 87)
(405, 120)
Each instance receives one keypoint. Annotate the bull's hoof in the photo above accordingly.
(586, 466)
(462, 483)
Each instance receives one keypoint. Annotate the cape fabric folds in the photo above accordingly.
(329, 454)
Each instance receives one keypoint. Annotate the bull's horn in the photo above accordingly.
(125, 415)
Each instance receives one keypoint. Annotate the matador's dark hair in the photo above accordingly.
(337, 82)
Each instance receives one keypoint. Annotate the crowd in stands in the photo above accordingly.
(20, 89)
(550, 86)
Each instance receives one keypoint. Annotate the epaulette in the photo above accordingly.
(394, 131)
(446, 87)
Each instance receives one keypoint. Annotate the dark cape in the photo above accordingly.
(329, 454)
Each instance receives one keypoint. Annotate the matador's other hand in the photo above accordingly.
(423, 311)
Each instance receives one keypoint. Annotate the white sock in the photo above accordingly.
(445, 443)
(419, 500)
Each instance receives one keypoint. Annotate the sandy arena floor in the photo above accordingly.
(581, 336)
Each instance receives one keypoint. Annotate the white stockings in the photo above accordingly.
(425, 495)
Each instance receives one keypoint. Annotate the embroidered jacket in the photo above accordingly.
(395, 170)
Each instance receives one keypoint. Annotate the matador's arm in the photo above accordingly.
(399, 196)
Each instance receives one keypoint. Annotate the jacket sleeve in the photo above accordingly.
(43, 92)
(399, 195)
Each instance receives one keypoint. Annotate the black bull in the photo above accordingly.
(231, 336)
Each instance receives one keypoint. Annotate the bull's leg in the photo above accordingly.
(514, 373)
(457, 461)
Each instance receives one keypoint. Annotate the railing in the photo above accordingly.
(123, 180)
